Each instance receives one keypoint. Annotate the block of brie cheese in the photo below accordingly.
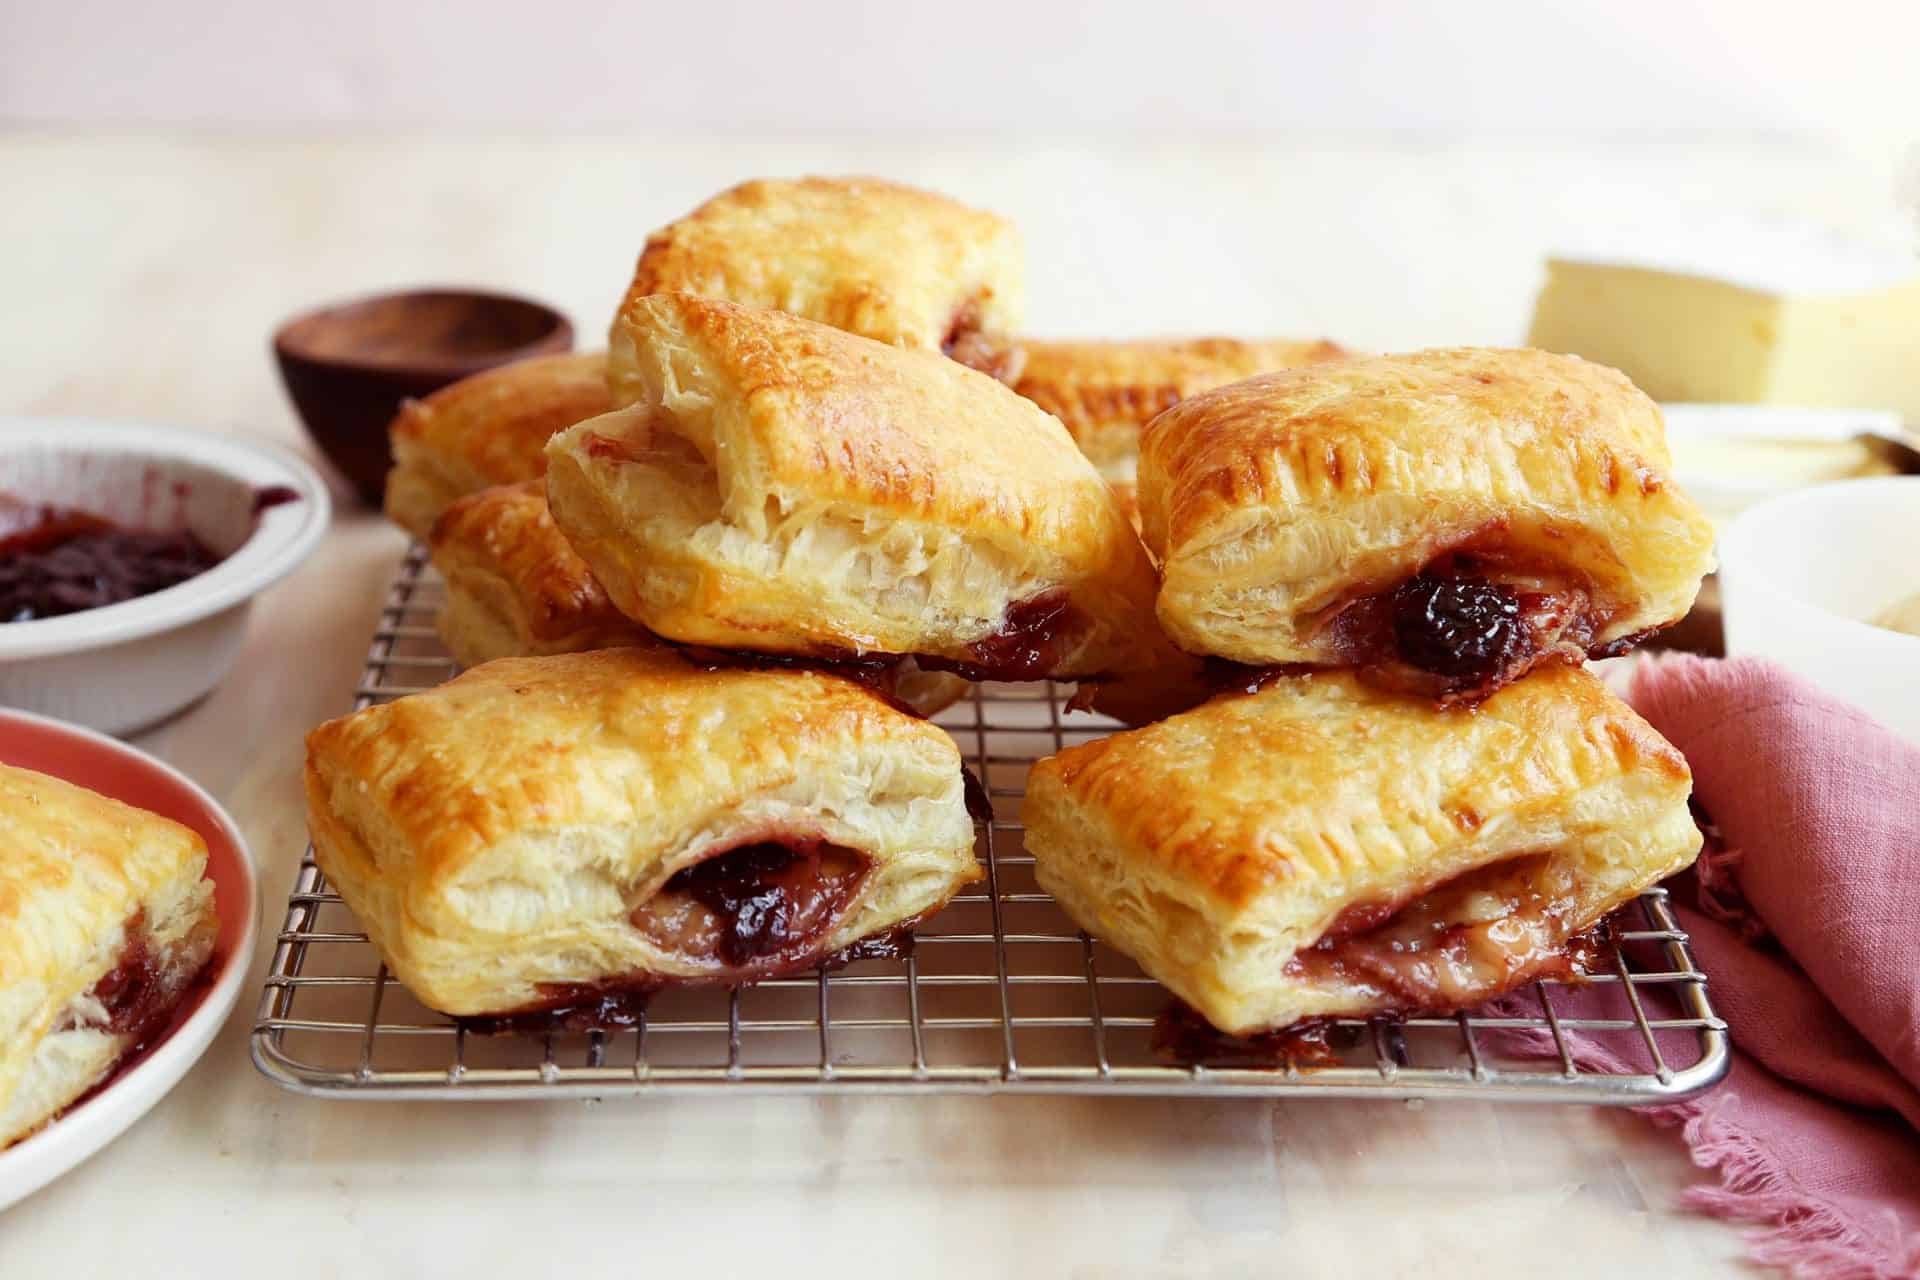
(1745, 314)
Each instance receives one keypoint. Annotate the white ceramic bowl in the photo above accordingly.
(125, 666)
(1801, 574)
(98, 763)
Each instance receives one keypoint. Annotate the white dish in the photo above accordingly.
(124, 666)
(112, 768)
(1802, 574)
(1730, 456)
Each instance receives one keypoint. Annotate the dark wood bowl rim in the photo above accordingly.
(557, 337)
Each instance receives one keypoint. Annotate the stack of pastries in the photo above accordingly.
(710, 584)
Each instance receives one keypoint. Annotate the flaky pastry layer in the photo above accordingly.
(489, 429)
(1106, 391)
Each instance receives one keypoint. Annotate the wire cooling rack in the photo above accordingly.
(1001, 994)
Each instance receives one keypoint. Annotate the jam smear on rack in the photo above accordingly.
(622, 1002)
(59, 560)
(1182, 1035)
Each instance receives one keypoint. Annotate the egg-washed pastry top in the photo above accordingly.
(1447, 520)
(779, 486)
(543, 833)
(1105, 391)
(106, 919)
(484, 430)
(902, 266)
(1324, 847)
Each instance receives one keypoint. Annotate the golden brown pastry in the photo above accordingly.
(901, 266)
(783, 487)
(545, 833)
(485, 430)
(1324, 847)
(1448, 519)
(1105, 391)
(106, 919)
(515, 588)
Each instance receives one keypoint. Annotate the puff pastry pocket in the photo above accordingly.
(1105, 392)
(514, 586)
(1327, 848)
(106, 920)
(485, 430)
(1447, 519)
(550, 833)
(888, 262)
(783, 487)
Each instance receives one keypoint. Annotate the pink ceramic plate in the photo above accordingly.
(114, 769)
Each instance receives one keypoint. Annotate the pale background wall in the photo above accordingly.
(1606, 66)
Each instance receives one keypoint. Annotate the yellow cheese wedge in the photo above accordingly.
(1689, 337)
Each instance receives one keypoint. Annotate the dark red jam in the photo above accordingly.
(273, 495)
(617, 1003)
(768, 899)
(57, 560)
(879, 673)
(1463, 628)
(136, 994)
(1033, 640)
(979, 803)
(1181, 1034)
(1471, 622)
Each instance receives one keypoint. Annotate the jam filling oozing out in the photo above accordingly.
(622, 1002)
(1460, 944)
(1033, 640)
(755, 906)
(137, 994)
(965, 344)
(1468, 624)
(57, 560)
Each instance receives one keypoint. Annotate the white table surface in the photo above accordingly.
(142, 278)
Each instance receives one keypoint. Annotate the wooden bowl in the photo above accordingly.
(348, 365)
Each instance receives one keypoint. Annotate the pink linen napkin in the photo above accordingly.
(1805, 917)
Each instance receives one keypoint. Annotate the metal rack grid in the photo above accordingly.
(1001, 994)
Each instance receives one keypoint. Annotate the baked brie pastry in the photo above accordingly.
(552, 833)
(486, 430)
(901, 266)
(1447, 520)
(1324, 847)
(783, 487)
(1105, 391)
(106, 920)
(514, 588)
